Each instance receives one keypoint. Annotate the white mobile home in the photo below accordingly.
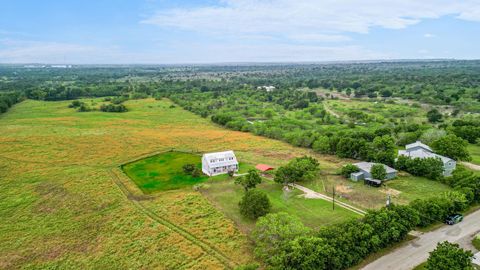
(219, 163)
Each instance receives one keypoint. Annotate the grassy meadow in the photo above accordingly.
(64, 202)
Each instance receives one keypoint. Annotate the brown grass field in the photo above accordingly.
(64, 203)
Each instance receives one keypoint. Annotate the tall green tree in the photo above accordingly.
(452, 147)
(378, 171)
(254, 204)
(448, 256)
(434, 116)
(297, 170)
(251, 180)
(275, 230)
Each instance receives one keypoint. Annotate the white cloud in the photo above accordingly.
(297, 19)
(428, 35)
(16, 51)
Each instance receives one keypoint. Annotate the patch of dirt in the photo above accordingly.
(391, 191)
(343, 189)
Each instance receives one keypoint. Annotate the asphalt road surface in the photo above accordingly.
(417, 251)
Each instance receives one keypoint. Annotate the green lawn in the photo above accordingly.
(414, 187)
(163, 171)
(313, 212)
(403, 189)
(474, 151)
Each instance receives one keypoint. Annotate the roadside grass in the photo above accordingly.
(476, 242)
(474, 151)
(60, 207)
(314, 213)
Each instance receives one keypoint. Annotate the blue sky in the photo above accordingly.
(163, 32)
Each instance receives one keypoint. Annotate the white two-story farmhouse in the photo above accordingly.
(420, 150)
(219, 163)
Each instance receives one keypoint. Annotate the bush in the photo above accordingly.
(113, 108)
(196, 172)
(188, 168)
(348, 169)
(254, 204)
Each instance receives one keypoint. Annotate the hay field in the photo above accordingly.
(64, 202)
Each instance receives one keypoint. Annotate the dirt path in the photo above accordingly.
(471, 165)
(328, 110)
(310, 194)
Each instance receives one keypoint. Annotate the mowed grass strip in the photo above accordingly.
(164, 171)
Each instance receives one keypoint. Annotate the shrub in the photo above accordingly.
(188, 168)
(196, 172)
(254, 204)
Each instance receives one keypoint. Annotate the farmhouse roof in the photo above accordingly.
(367, 167)
(264, 167)
(218, 159)
(418, 144)
(420, 153)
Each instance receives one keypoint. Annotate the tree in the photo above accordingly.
(249, 181)
(349, 169)
(452, 146)
(434, 116)
(448, 256)
(254, 204)
(383, 150)
(378, 171)
(431, 135)
(274, 230)
(299, 169)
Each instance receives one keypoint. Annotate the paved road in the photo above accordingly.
(417, 251)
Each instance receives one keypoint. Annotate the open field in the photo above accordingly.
(313, 212)
(65, 203)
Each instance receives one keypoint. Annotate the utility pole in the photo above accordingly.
(333, 197)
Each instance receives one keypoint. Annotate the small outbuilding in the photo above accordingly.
(365, 171)
(264, 167)
(219, 163)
